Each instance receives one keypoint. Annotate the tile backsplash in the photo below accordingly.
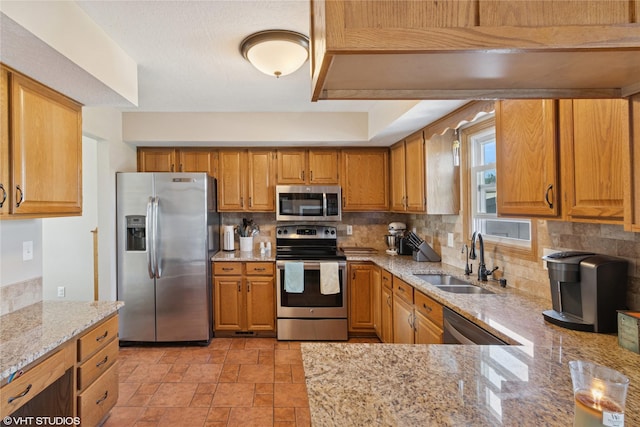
(18, 295)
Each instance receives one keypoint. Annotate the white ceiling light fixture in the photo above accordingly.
(276, 52)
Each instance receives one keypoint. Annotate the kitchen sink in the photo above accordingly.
(452, 284)
(441, 279)
(464, 289)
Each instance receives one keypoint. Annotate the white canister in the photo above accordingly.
(246, 244)
(227, 238)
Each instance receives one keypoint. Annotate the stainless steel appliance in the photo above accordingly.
(458, 330)
(167, 230)
(308, 203)
(586, 290)
(310, 313)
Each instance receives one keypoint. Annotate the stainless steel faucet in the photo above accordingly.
(483, 273)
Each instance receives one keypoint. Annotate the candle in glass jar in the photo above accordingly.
(592, 409)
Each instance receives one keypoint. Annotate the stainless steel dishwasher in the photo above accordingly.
(458, 330)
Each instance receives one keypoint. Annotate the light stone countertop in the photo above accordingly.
(420, 385)
(33, 331)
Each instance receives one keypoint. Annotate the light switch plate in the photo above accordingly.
(61, 291)
(27, 250)
(349, 230)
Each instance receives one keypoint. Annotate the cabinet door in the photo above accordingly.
(292, 166)
(360, 298)
(197, 160)
(398, 190)
(323, 167)
(632, 212)
(261, 305)
(527, 158)
(261, 181)
(595, 140)
(387, 315)
(426, 331)
(228, 305)
(156, 160)
(414, 174)
(46, 150)
(403, 332)
(5, 186)
(376, 283)
(365, 179)
(231, 180)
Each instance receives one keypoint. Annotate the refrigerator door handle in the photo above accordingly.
(156, 208)
(150, 241)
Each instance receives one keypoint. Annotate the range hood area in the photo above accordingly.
(469, 49)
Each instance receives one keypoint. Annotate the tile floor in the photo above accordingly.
(232, 382)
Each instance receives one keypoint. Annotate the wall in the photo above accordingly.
(530, 276)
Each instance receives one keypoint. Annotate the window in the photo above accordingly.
(479, 147)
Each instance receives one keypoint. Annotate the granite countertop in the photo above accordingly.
(268, 256)
(393, 384)
(33, 331)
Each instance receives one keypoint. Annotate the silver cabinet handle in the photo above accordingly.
(103, 398)
(21, 196)
(4, 195)
(102, 337)
(23, 394)
(102, 362)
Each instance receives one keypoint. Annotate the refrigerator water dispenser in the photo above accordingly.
(136, 233)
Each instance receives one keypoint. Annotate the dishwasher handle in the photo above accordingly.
(456, 334)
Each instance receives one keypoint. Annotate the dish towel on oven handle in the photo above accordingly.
(329, 280)
(294, 277)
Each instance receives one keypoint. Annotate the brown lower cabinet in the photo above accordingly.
(362, 276)
(417, 319)
(50, 386)
(244, 298)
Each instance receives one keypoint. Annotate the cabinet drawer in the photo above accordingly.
(97, 338)
(431, 309)
(97, 364)
(387, 279)
(403, 290)
(259, 268)
(26, 387)
(227, 268)
(99, 398)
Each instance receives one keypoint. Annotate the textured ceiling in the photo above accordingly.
(188, 54)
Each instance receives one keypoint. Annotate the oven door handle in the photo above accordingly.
(309, 265)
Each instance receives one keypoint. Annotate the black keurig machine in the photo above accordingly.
(586, 290)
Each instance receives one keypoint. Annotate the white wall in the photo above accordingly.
(105, 125)
(12, 234)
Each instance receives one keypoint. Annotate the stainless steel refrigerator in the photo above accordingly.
(167, 230)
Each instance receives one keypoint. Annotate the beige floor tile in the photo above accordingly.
(251, 417)
(173, 395)
(290, 395)
(242, 356)
(126, 390)
(265, 388)
(290, 357)
(218, 415)
(233, 394)
(229, 373)
(206, 388)
(263, 400)
(187, 417)
(256, 374)
(218, 356)
(152, 414)
(201, 400)
(284, 414)
(202, 373)
(148, 373)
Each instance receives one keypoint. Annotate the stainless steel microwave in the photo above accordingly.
(308, 203)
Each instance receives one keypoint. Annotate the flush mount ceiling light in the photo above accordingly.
(276, 52)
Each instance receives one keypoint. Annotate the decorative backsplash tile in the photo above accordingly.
(18, 295)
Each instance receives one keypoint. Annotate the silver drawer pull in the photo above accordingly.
(103, 398)
(102, 337)
(23, 394)
(102, 362)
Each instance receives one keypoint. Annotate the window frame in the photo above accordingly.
(490, 246)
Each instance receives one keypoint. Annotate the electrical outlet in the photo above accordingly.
(60, 291)
(27, 250)
(349, 230)
(450, 240)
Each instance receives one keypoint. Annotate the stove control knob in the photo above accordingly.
(279, 231)
(333, 232)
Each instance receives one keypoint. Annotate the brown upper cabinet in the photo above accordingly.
(527, 158)
(365, 179)
(632, 194)
(40, 150)
(563, 159)
(408, 175)
(168, 159)
(594, 136)
(246, 181)
(307, 166)
(474, 49)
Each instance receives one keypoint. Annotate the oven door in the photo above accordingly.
(311, 303)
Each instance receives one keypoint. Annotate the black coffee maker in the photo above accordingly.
(587, 289)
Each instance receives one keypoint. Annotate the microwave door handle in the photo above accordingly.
(324, 204)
